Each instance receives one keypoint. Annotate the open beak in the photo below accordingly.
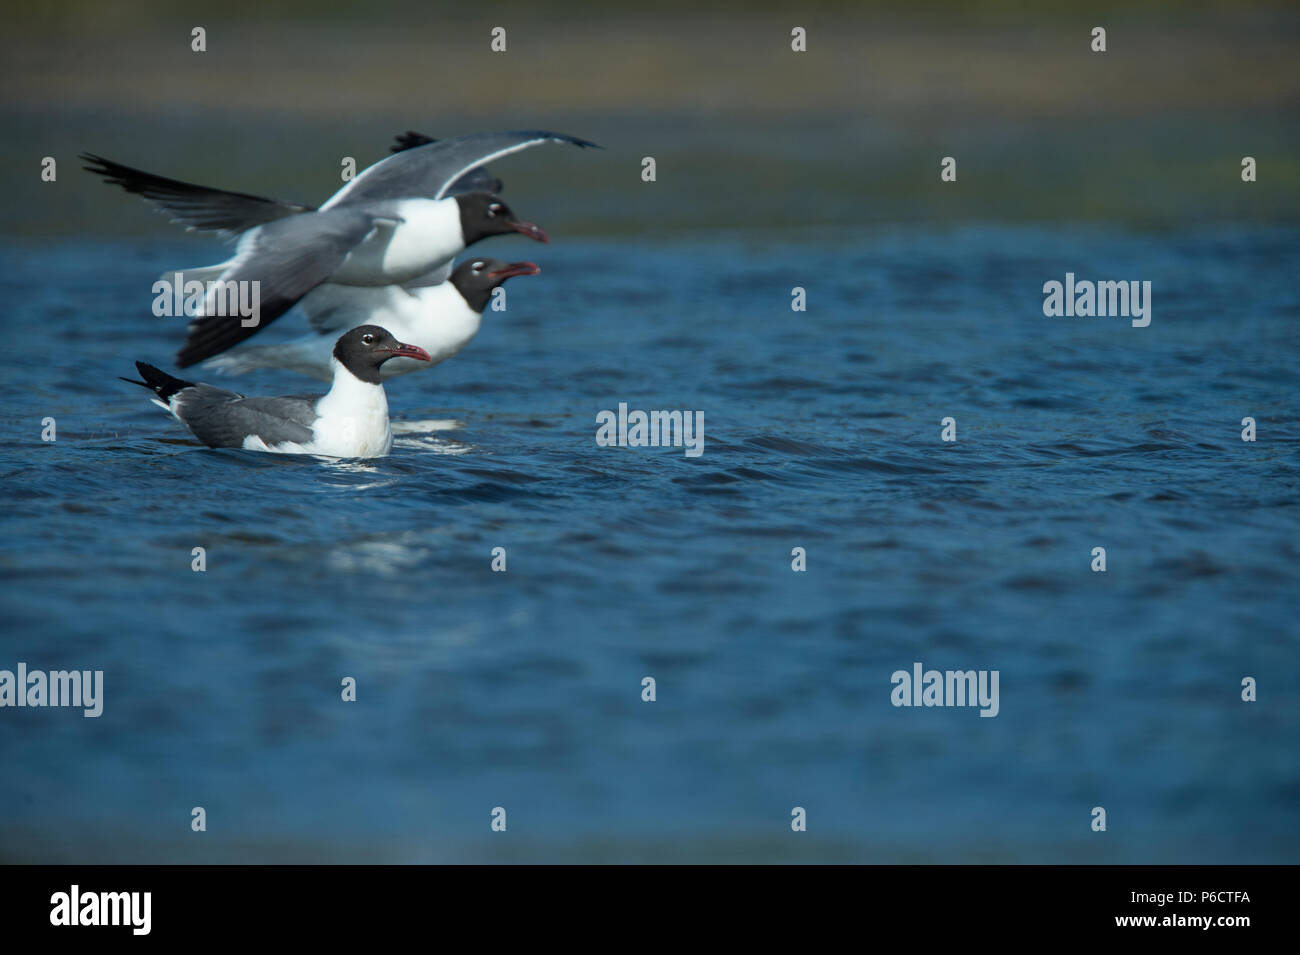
(515, 268)
(409, 351)
(533, 232)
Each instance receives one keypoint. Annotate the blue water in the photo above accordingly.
(822, 430)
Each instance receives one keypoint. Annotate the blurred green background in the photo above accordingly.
(746, 133)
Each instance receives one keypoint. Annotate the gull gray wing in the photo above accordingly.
(476, 180)
(288, 258)
(429, 171)
(436, 277)
(197, 208)
(221, 419)
(224, 419)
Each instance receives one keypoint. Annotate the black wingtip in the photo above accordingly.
(211, 336)
(128, 177)
(99, 166)
(410, 140)
(192, 354)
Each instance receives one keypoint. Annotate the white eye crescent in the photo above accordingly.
(367, 339)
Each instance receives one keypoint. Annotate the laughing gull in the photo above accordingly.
(350, 421)
(440, 318)
(397, 222)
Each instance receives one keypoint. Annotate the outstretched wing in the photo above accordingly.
(431, 170)
(476, 180)
(195, 207)
(287, 259)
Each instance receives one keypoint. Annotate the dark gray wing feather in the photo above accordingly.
(195, 207)
(476, 180)
(223, 419)
(429, 171)
(289, 258)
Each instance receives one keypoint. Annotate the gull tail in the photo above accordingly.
(159, 382)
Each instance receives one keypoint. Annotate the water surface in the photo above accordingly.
(822, 430)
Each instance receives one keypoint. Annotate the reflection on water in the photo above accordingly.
(427, 425)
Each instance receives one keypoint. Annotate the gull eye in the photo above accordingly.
(478, 267)
(367, 339)
(493, 210)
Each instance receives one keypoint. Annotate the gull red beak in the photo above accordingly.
(409, 351)
(533, 232)
(516, 268)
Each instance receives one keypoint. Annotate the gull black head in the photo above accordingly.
(476, 278)
(366, 347)
(483, 214)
